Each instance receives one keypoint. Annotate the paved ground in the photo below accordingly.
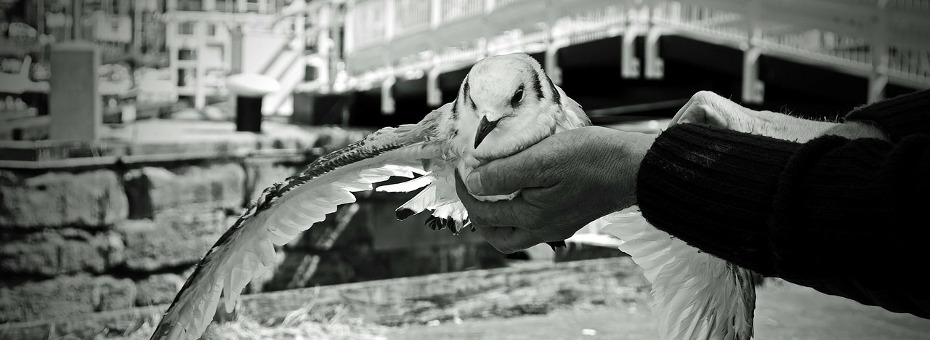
(784, 312)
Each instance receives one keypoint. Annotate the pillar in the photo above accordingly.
(75, 104)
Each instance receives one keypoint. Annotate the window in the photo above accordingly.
(252, 5)
(187, 54)
(310, 73)
(225, 6)
(184, 77)
(211, 30)
(186, 28)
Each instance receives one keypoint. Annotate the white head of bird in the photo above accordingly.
(508, 104)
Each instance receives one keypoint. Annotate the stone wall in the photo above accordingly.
(84, 240)
(104, 239)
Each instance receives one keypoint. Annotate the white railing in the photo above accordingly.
(873, 38)
(366, 24)
(453, 10)
(502, 3)
(411, 16)
(593, 25)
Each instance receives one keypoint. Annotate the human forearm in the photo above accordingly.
(714, 188)
(898, 117)
(839, 197)
(784, 208)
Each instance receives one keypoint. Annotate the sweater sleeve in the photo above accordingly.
(900, 116)
(846, 217)
(715, 189)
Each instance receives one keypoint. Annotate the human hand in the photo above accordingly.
(566, 181)
(708, 108)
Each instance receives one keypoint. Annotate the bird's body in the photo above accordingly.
(505, 105)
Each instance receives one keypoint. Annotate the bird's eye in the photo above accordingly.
(517, 97)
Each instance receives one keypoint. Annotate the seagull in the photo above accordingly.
(505, 104)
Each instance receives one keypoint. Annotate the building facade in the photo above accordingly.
(208, 40)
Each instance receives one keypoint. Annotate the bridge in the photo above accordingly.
(634, 57)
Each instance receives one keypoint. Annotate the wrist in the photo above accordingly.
(625, 154)
(789, 128)
(857, 129)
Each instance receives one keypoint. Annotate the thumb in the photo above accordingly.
(504, 176)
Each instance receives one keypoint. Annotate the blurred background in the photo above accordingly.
(134, 132)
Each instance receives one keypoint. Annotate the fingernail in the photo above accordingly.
(474, 183)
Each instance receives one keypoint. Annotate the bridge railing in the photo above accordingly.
(887, 41)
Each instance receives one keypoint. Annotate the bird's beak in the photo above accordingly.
(484, 128)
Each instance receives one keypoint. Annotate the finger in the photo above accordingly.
(685, 113)
(507, 239)
(707, 108)
(507, 175)
(461, 190)
(515, 212)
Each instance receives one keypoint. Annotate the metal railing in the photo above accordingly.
(875, 38)
(453, 10)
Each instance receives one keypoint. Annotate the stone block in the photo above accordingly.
(157, 289)
(88, 199)
(153, 189)
(65, 297)
(58, 252)
(173, 238)
(113, 294)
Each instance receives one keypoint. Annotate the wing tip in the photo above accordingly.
(403, 213)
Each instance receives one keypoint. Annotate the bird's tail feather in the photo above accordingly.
(696, 295)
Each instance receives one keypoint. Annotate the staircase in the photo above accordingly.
(286, 66)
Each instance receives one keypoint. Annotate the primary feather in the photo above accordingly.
(288, 208)
(504, 105)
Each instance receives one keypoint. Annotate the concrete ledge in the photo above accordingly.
(153, 141)
(387, 298)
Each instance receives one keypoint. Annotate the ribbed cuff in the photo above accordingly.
(714, 189)
(899, 116)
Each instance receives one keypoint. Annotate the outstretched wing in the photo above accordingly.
(288, 208)
(696, 295)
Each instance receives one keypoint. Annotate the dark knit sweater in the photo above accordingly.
(846, 217)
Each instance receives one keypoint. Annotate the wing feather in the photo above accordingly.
(407, 186)
(697, 295)
(286, 209)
